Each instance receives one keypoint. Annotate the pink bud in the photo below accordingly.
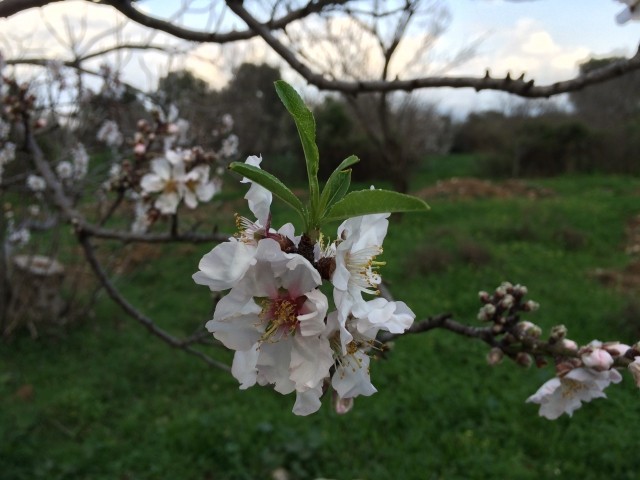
(616, 349)
(597, 358)
(342, 405)
(569, 344)
(494, 357)
(140, 149)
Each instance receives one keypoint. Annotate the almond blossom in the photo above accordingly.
(359, 242)
(197, 187)
(565, 394)
(273, 318)
(165, 178)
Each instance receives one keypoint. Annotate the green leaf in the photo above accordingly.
(337, 184)
(271, 183)
(306, 125)
(366, 202)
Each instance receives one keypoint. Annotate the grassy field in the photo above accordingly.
(105, 400)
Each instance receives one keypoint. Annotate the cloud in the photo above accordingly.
(526, 48)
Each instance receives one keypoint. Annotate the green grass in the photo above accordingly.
(111, 402)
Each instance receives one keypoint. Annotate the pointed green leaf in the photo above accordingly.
(366, 202)
(271, 183)
(337, 184)
(306, 125)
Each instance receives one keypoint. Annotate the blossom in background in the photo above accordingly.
(141, 220)
(36, 183)
(64, 170)
(227, 122)
(7, 154)
(167, 179)
(197, 187)
(229, 146)
(225, 265)
(565, 394)
(80, 159)
(109, 133)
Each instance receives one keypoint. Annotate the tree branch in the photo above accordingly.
(130, 310)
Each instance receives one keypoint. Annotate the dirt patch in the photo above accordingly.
(627, 279)
(474, 188)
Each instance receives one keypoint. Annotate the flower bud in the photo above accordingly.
(558, 333)
(484, 296)
(569, 345)
(540, 361)
(528, 328)
(507, 301)
(140, 149)
(530, 306)
(597, 358)
(519, 290)
(495, 356)
(486, 312)
(342, 405)
(616, 349)
(523, 359)
(634, 368)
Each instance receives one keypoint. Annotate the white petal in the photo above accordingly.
(311, 359)
(308, 402)
(351, 379)
(225, 265)
(244, 367)
(167, 203)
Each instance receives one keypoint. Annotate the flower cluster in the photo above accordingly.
(582, 373)
(159, 175)
(275, 316)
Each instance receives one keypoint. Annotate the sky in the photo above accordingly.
(544, 39)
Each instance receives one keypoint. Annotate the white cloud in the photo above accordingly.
(526, 48)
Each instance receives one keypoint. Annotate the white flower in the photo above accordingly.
(36, 183)
(351, 375)
(227, 121)
(110, 134)
(19, 237)
(229, 146)
(566, 394)
(197, 186)
(80, 161)
(359, 242)
(380, 314)
(630, 12)
(64, 170)
(274, 318)
(141, 221)
(166, 179)
(225, 265)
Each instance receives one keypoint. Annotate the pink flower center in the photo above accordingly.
(281, 314)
